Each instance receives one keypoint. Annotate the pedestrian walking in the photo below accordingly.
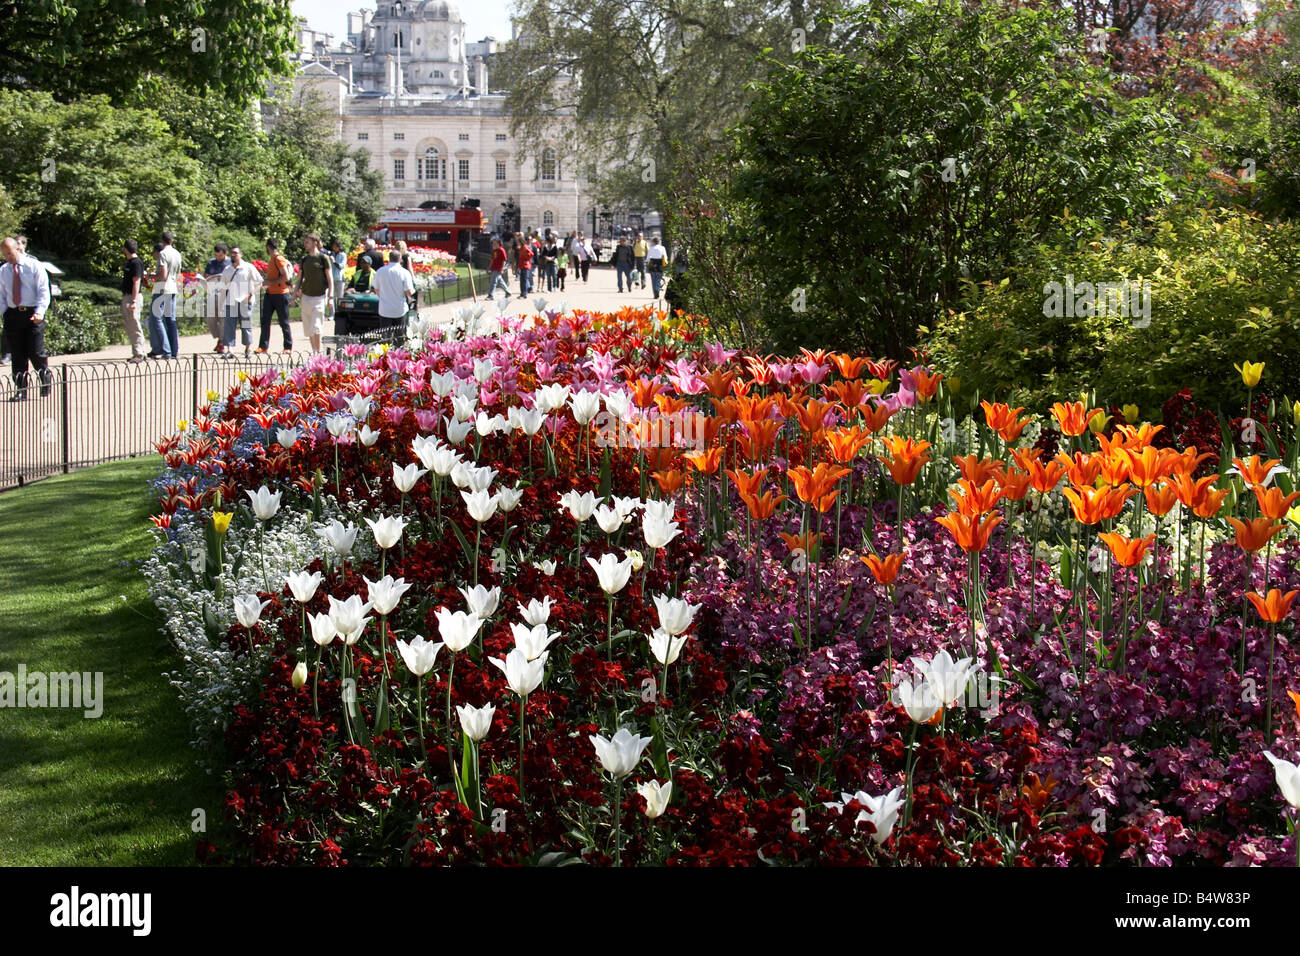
(212, 272)
(239, 284)
(164, 336)
(395, 286)
(338, 263)
(623, 263)
(133, 299)
(550, 254)
(24, 301)
(656, 260)
(639, 249)
(275, 298)
(314, 289)
(498, 268)
(525, 270)
(562, 265)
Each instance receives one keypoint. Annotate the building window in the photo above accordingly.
(463, 137)
(548, 218)
(501, 172)
(431, 166)
(501, 137)
(363, 136)
(399, 136)
(462, 169)
(548, 164)
(399, 169)
(437, 74)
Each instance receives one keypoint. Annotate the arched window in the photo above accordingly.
(431, 166)
(549, 164)
(548, 219)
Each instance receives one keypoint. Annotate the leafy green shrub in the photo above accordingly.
(77, 325)
(1224, 286)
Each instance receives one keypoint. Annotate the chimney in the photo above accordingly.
(480, 76)
(390, 75)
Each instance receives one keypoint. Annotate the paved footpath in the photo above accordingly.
(104, 407)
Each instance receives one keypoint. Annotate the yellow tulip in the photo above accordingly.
(954, 384)
(1295, 413)
(299, 676)
(212, 396)
(877, 387)
(221, 521)
(1098, 421)
(182, 425)
(1131, 413)
(1250, 372)
(241, 376)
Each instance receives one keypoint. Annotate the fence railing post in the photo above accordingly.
(194, 413)
(63, 402)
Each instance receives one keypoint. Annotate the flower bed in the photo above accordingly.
(593, 588)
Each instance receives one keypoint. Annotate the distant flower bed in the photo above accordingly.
(595, 588)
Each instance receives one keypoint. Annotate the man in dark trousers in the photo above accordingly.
(24, 300)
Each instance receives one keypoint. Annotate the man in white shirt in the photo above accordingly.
(581, 253)
(163, 333)
(24, 300)
(239, 289)
(655, 260)
(393, 284)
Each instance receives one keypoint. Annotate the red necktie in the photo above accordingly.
(18, 287)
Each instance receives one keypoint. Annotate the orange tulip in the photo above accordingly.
(1188, 461)
(752, 407)
(759, 438)
(884, 570)
(1015, 485)
(850, 393)
(817, 487)
(1045, 478)
(1004, 420)
(670, 481)
(970, 532)
(1254, 471)
(1273, 608)
(845, 444)
(1145, 467)
(718, 382)
(1082, 470)
(1023, 456)
(882, 369)
(1138, 436)
(1272, 503)
(1073, 417)
(805, 542)
(670, 405)
(973, 500)
(661, 457)
(907, 457)
(1296, 698)
(762, 506)
(926, 384)
(978, 470)
(1161, 498)
(812, 415)
(1039, 792)
(848, 366)
(1252, 535)
(746, 483)
(1128, 552)
(706, 462)
(644, 392)
(1209, 504)
(874, 419)
(759, 369)
(1094, 505)
(1114, 468)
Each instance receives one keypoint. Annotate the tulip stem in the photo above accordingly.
(609, 627)
(618, 821)
(419, 693)
(523, 796)
(1245, 589)
(1268, 719)
(451, 673)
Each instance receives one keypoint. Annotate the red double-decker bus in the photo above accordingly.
(450, 230)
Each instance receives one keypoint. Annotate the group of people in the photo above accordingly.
(550, 258)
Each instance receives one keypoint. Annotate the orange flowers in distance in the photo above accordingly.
(670, 481)
(1272, 609)
(1272, 503)
(705, 462)
(846, 443)
(817, 486)
(1252, 535)
(1094, 505)
(1004, 420)
(907, 457)
(1128, 552)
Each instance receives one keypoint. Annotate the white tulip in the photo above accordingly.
(404, 479)
(656, 797)
(463, 407)
(480, 479)
(475, 722)
(368, 436)
(359, 406)
(485, 424)
(618, 404)
(444, 460)
(508, 499)
(442, 383)
(480, 505)
(581, 507)
(349, 617)
(338, 425)
(626, 507)
(248, 609)
(339, 537)
(881, 812)
(482, 601)
(484, 369)
(585, 406)
(522, 675)
(460, 474)
(1288, 779)
(608, 519)
(656, 510)
(288, 437)
(537, 612)
(546, 567)
(550, 397)
(532, 641)
(303, 585)
(387, 530)
(457, 430)
(919, 700)
(457, 629)
(619, 754)
(612, 573)
(299, 675)
(419, 655)
(947, 678)
(265, 504)
(323, 630)
(675, 615)
(385, 593)
(527, 420)
(658, 533)
(666, 647)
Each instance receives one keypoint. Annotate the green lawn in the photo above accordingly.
(120, 789)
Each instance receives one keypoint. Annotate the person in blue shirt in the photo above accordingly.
(338, 262)
(24, 300)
